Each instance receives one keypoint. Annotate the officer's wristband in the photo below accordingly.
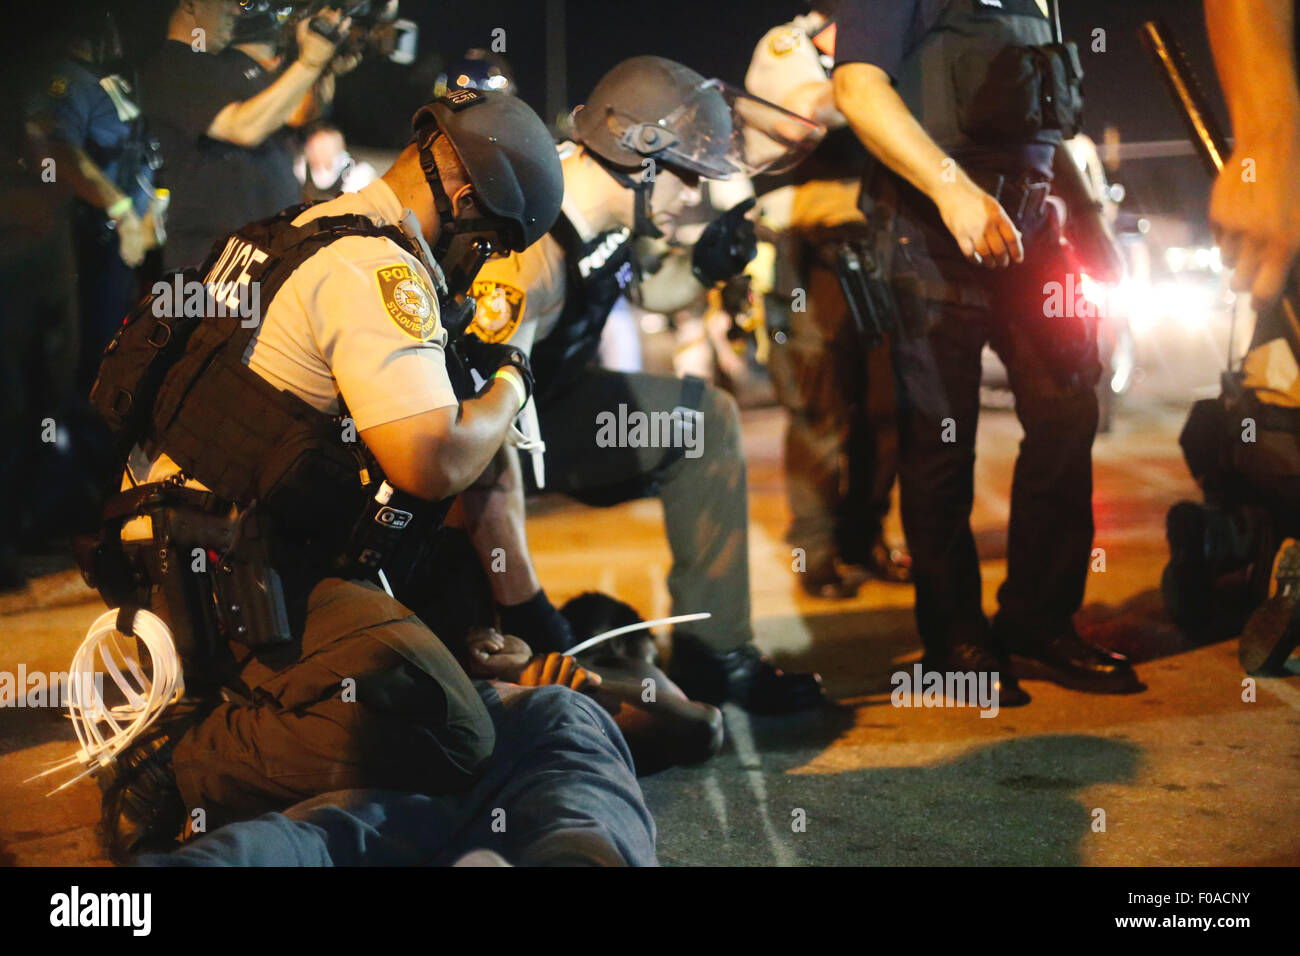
(509, 375)
(119, 208)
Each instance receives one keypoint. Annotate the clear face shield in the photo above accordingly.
(720, 131)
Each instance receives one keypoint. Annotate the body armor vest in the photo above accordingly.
(176, 383)
(294, 496)
(597, 272)
(989, 77)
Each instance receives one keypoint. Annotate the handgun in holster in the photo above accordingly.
(871, 301)
(248, 593)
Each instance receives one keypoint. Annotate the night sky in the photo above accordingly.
(717, 38)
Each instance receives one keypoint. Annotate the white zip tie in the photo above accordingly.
(146, 698)
(629, 628)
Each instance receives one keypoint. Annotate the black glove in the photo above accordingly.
(487, 357)
(726, 246)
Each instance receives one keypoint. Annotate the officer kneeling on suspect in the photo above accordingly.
(250, 512)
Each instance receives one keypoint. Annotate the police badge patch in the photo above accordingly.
(786, 41)
(500, 309)
(407, 300)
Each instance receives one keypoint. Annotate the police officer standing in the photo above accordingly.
(841, 446)
(967, 102)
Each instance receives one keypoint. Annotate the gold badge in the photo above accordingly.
(499, 310)
(408, 301)
(786, 41)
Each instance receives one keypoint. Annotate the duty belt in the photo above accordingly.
(1022, 198)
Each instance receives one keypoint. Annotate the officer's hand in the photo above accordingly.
(132, 239)
(980, 225)
(726, 245)
(316, 51)
(546, 669)
(486, 357)
(1257, 222)
(495, 655)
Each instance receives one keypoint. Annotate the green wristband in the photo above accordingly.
(119, 208)
(508, 374)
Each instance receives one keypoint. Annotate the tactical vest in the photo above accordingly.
(177, 383)
(173, 381)
(987, 75)
(597, 272)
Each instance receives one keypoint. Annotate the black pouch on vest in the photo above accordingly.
(1062, 91)
(153, 335)
(999, 99)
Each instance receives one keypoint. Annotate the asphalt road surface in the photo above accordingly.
(1186, 773)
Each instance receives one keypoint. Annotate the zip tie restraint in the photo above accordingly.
(629, 628)
(104, 731)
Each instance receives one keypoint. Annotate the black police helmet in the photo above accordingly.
(649, 106)
(509, 156)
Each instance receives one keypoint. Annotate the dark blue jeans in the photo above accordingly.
(560, 789)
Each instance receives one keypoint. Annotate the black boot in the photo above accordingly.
(141, 810)
(744, 676)
(1273, 630)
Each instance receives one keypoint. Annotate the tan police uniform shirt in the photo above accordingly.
(359, 319)
(520, 297)
(784, 60)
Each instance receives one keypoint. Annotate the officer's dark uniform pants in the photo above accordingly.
(373, 700)
(1053, 368)
(841, 443)
(703, 489)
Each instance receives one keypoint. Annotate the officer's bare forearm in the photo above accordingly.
(439, 453)
(1252, 43)
(888, 129)
(495, 519)
(250, 122)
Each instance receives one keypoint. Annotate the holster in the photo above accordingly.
(205, 570)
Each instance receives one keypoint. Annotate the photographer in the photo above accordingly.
(217, 118)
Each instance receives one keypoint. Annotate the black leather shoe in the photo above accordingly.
(968, 657)
(745, 676)
(1063, 657)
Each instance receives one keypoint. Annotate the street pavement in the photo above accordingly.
(1185, 773)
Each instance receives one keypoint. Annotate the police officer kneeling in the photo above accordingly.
(251, 514)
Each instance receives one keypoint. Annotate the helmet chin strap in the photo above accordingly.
(642, 224)
(463, 244)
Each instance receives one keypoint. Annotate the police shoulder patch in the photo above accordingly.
(499, 309)
(786, 41)
(407, 300)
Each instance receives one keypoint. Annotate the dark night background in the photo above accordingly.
(717, 38)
